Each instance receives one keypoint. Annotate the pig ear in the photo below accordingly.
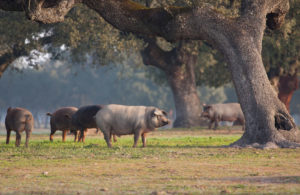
(9, 109)
(165, 113)
(156, 112)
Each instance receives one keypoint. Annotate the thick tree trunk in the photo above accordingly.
(178, 65)
(187, 102)
(268, 123)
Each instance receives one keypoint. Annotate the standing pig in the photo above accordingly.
(223, 112)
(125, 120)
(61, 120)
(84, 119)
(19, 120)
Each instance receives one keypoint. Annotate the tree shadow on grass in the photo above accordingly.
(264, 179)
(185, 146)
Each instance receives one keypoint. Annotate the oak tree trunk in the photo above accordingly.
(187, 103)
(268, 123)
(178, 65)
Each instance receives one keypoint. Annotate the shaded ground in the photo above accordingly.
(175, 161)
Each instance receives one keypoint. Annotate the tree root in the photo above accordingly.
(278, 143)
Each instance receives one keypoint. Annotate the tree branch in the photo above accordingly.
(38, 11)
(274, 10)
(153, 55)
(172, 23)
(12, 5)
(7, 56)
(5, 61)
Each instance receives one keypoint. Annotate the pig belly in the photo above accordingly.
(230, 119)
(122, 130)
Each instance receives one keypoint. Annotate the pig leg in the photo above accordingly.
(216, 123)
(83, 136)
(75, 135)
(107, 135)
(210, 124)
(137, 135)
(64, 134)
(28, 132)
(144, 139)
(51, 135)
(97, 130)
(7, 136)
(18, 138)
(115, 138)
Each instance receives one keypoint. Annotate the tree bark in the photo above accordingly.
(268, 123)
(187, 102)
(178, 65)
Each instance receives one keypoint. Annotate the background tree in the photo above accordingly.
(281, 55)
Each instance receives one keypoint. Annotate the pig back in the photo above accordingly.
(84, 117)
(229, 111)
(61, 118)
(19, 118)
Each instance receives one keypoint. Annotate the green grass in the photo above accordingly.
(174, 162)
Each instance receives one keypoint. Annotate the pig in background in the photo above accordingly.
(61, 120)
(231, 112)
(19, 120)
(120, 120)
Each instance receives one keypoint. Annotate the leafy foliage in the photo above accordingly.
(281, 48)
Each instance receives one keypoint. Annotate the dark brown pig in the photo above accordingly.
(83, 119)
(61, 120)
(231, 112)
(19, 120)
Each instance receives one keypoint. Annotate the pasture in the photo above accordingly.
(176, 161)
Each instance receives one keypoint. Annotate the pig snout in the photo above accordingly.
(165, 121)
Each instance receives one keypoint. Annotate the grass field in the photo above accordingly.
(174, 162)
